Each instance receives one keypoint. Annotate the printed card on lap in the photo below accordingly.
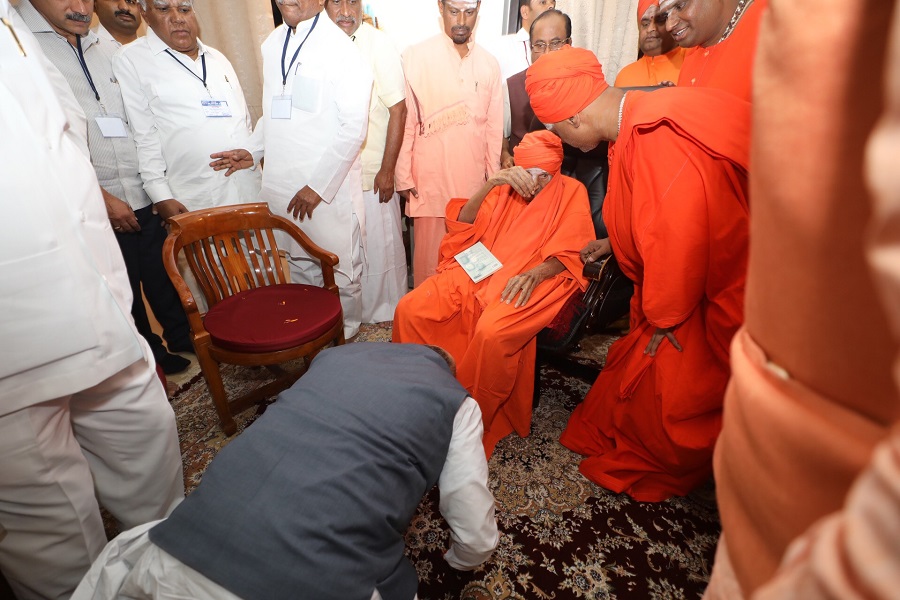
(215, 108)
(281, 107)
(478, 262)
(111, 126)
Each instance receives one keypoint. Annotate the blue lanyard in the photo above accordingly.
(286, 70)
(191, 71)
(79, 54)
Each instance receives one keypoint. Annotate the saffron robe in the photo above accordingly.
(652, 70)
(796, 436)
(492, 342)
(727, 65)
(677, 215)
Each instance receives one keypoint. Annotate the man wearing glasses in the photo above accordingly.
(662, 58)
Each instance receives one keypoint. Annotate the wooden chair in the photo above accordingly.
(256, 317)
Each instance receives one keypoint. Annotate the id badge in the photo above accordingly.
(215, 108)
(111, 126)
(281, 107)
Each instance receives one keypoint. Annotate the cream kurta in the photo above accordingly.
(318, 146)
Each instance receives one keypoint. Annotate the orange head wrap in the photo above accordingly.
(561, 84)
(540, 149)
(643, 5)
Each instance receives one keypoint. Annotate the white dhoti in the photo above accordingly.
(384, 266)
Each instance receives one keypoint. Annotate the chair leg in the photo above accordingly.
(213, 376)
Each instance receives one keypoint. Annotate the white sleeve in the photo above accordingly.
(143, 124)
(466, 502)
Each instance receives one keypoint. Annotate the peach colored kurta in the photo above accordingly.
(652, 70)
(454, 128)
(811, 392)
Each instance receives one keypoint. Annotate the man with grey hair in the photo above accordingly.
(185, 102)
(86, 64)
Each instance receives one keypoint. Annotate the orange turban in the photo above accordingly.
(561, 84)
(541, 149)
(643, 5)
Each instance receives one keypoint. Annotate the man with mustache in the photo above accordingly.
(662, 57)
(384, 269)
(119, 20)
(62, 29)
(720, 36)
(454, 127)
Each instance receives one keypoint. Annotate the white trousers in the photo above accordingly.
(115, 442)
(347, 276)
(384, 265)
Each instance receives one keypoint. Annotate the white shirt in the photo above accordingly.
(65, 300)
(164, 98)
(105, 35)
(329, 86)
(389, 89)
(131, 565)
(512, 52)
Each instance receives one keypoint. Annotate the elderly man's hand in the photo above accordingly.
(169, 208)
(233, 160)
(304, 203)
(121, 216)
(507, 161)
(384, 185)
(658, 336)
(517, 177)
(595, 249)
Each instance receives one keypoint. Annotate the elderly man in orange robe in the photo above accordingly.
(662, 57)
(677, 216)
(534, 221)
(721, 39)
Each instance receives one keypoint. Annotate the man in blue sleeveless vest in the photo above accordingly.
(314, 499)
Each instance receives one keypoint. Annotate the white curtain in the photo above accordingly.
(237, 28)
(608, 27)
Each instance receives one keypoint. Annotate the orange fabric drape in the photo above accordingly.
(727, 65)
(493, 342)
(677, 215)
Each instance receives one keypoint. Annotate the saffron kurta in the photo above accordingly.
(493, 342)
(727, 65)
(677, 216)
(454, 128)
(652, 70)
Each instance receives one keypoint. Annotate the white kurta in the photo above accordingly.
(81, 408)
(384, 274)
(318, 146)
(164, 96)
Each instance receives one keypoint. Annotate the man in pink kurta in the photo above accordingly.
(454, 127)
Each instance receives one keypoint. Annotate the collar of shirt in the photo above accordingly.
(450, 44)
(522, 35)
(302, 27)
(104, 35)
(38, 24)
(157, 46)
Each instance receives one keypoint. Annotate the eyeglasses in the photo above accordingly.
(555, 44)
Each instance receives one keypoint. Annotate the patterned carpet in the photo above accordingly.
(561, 536)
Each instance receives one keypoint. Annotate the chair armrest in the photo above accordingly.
(593, 270)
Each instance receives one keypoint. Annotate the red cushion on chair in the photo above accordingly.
(272, 318)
